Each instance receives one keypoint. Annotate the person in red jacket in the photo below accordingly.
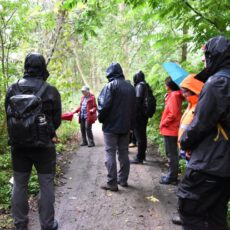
(87, 116)
(169, 126)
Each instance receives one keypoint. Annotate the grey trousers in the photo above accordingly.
(173, 156)
(86, 130)
(117, 143)
(20, 207)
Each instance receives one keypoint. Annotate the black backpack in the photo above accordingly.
(149, 102)
(27, 125)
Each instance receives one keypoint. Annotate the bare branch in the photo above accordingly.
(201, 15)
(10, 17)
(5, 23)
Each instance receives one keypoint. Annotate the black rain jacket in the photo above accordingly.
(210, 152)
(140, 88)
(35, 75)
(116, 102)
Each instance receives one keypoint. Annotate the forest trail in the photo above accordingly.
(82, 205)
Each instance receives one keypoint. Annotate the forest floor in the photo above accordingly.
(82, 205)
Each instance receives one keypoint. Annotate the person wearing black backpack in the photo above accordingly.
(145, 108)
(33, 109)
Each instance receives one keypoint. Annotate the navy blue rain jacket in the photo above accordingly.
(116, 102)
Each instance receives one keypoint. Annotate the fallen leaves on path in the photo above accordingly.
(152, 199)
(109, 193)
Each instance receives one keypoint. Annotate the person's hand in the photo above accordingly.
(91, 110)
(188, 155)
(131, 131)
(55, 140)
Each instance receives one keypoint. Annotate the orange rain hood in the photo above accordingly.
(192, 84)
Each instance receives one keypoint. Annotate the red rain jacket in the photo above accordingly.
(170, 119)
(91, 109)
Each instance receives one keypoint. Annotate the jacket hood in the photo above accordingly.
(177, 93)
(35, 66)
(217, 54)
(191, 83)
(114, 71)
(138, 77)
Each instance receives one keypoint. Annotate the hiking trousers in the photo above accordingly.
(141, 136)
(86, 132)
(44, 161)
(117, 143)
(203, 201)
(171, 150)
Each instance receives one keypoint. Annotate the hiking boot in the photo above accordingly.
(54, 227)
(167, 181)
(136, 161)
(132, 145)
(113, 188)
(177, 220)
(91, 145)
(125, 184)
(83, 144)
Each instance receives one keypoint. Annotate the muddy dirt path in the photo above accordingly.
(82, 205)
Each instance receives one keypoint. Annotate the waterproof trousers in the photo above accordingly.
(171, 151)
(117, 144)
(203, 201)
(141, 136)
(44, 161)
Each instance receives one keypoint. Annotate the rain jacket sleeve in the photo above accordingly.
(104, 102)
(207, 113)
(94, 108)
(57, 109)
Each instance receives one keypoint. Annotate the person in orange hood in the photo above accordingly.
(190, 88)
(169, 125)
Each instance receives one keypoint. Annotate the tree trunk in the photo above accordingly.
(185, 45)
(79, 67)
(60, 22)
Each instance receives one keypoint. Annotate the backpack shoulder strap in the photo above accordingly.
(42, 89)
(17, 89)
(146, 87)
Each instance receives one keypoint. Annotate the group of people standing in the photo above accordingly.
(121, 111)
(202, 135)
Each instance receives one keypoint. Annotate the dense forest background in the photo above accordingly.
(81, 38)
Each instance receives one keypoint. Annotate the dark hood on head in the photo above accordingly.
(217, 54)
(114, 71)
(203, 75)
(138, 77)
(35, 66)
